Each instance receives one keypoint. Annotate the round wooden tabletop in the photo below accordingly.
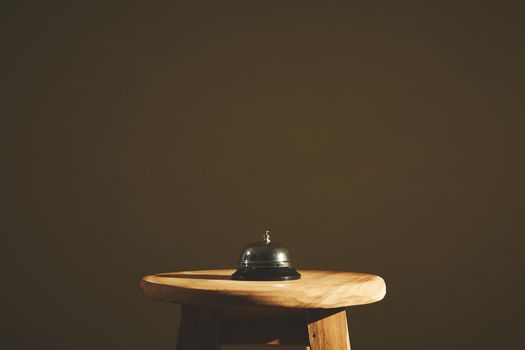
(316, 289)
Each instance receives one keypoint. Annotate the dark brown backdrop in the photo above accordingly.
(145, 138)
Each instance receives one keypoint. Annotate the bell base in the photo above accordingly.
(266, 274)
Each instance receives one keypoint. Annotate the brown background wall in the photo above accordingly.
(144, 138)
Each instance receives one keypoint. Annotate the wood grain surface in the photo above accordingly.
(328, 329)
(316, 289)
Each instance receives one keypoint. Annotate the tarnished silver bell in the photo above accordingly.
(265, 261)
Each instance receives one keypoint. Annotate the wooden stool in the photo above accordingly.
(310, 312)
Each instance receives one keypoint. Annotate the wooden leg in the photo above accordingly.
(199, 328)
(328, 329)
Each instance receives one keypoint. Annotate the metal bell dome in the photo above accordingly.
(265, 261)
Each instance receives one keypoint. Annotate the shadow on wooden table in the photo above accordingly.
(195, 276)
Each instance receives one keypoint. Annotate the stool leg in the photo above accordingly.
(199, 328)
(328, 329)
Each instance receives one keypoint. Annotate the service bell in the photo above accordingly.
(266, 261)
